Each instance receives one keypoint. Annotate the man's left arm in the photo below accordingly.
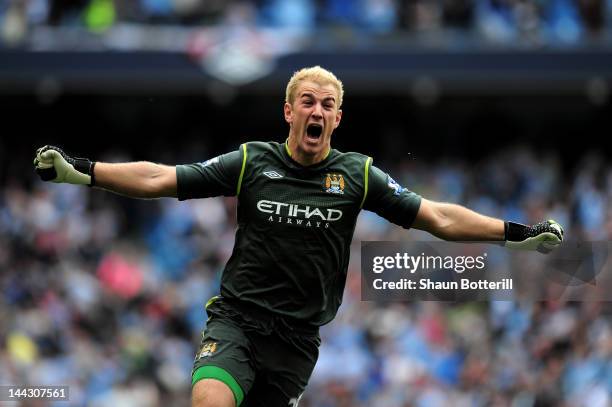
(454, 222)
(457, 223)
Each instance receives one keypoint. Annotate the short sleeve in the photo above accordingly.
(217, 176)
(388, 199)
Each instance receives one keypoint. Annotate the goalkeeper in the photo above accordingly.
(298, 205)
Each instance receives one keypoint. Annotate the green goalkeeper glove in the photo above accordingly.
(542, 237)
(53, 164)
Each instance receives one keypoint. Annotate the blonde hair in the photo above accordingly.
(315, 74)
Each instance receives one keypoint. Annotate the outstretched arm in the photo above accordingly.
(454, 222)
(449, 221)
(135, 179)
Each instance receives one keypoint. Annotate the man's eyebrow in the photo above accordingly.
(310, 95)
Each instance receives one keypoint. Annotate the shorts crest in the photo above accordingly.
(208, 348)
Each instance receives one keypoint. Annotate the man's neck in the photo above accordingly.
(306, 160)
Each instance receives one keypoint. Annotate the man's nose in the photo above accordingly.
(317, 112)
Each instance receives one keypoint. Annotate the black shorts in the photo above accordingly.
(264, 360)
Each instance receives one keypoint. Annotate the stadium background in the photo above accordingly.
(502, 106)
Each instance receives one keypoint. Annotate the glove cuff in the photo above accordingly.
(515, 232)
(92, 174)
(85, 166)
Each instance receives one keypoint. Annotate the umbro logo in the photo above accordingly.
(272, 174)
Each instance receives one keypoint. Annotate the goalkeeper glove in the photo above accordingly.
(542, 237)
(53, 164)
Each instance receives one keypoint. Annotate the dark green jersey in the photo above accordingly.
(295, 223)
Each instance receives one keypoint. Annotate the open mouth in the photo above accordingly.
(314, 131)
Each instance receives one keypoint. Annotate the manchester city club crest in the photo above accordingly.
(334, 183)
(207, 349)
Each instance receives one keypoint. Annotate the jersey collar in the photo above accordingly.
(313, 166)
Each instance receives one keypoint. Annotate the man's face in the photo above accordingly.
(312, 118)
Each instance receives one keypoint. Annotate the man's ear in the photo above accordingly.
(288, 111)
(338, 118)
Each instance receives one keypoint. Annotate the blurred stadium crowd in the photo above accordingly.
(563, 22)
(105, 294)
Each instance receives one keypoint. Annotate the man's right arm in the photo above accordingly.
(221, 175)
(135, 179)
